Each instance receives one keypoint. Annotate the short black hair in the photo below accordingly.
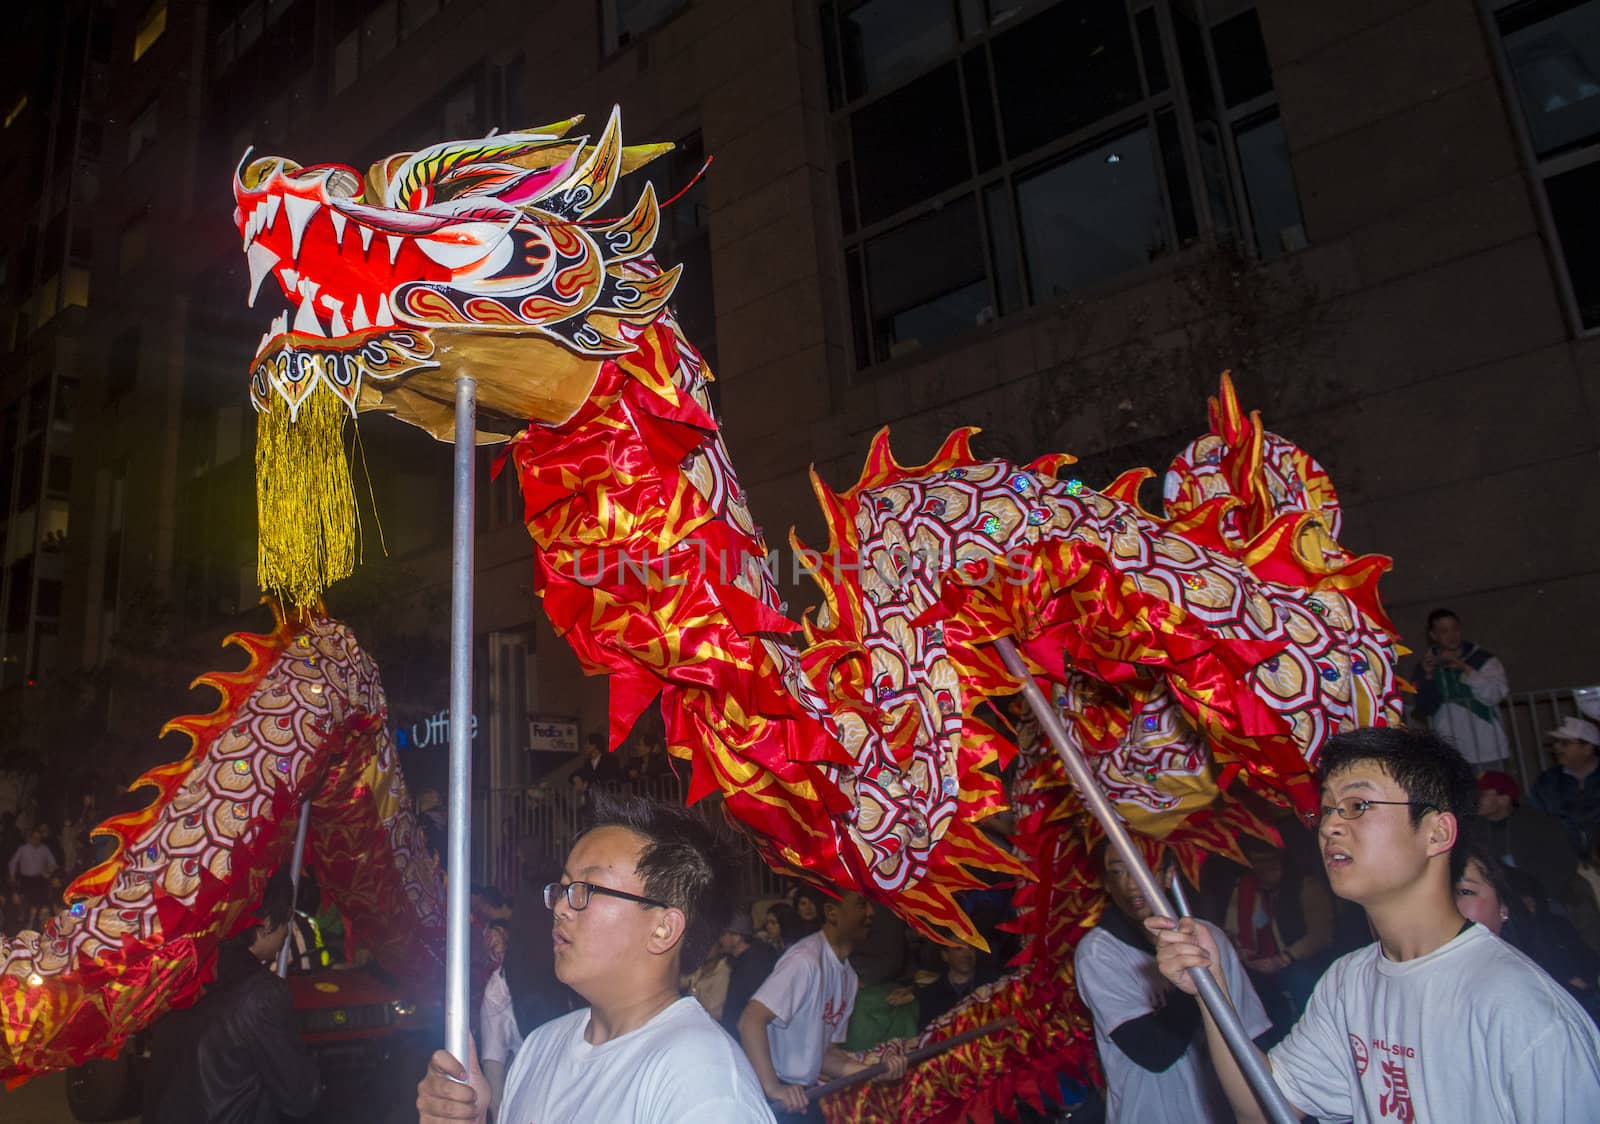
(1442, 614)
(1429, 770)
(491, 896)
(687, 862)
(273, 910)
(1497, 874)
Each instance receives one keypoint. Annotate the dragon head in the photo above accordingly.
(448, 261)
(475, 257)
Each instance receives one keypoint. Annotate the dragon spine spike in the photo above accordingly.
(304, 719)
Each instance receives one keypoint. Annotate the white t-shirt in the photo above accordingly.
(1120, 982)
(678, 1068)
(811, 993)
(497, 1022)
(1472, 1031)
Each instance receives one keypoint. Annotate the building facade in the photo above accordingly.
(1057, 220)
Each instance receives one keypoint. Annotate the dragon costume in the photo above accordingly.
(1216, 644)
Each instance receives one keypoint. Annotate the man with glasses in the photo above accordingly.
(644, 893)
(1438, 1019)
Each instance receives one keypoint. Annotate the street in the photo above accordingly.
(41, 1101)
(383, 1096)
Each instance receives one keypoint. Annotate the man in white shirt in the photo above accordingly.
(1148, 1033)
(643, 892)
(1437, 1020)
(793, 1025)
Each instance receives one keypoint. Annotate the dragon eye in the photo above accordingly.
(256, 173)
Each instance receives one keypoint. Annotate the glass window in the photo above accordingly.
(142, 129)
(980, 111)
(222, 51)
(151, 25)
(1572, 205)
(1065, 68)
(347, 61)
(623, 21)
(1242, 64)
(415, 13)
(858, 308)
(1092, 216)
(1555, 64)
(250, 24)
(1269, 186)
(1003, 247)
(1180, 193)
(1155, 62)
(66, 402)
(379, 32)
(885, 40)
(926, 280)
(58, 480)
(75, 288)
(909, 145)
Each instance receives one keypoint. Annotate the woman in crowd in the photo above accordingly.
(1488, 893)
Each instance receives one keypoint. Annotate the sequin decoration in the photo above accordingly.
(991, 526)
(1076, 487)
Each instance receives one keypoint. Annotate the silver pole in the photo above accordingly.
(1251, 1061)
(459, 808)
(296, 863)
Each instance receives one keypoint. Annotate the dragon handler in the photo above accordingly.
(644, 892)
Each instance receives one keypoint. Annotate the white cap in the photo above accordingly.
(1576, 729)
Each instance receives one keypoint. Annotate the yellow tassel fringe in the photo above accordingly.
(305, 504)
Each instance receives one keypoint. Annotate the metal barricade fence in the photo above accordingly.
(530, 828)
(1528, 717)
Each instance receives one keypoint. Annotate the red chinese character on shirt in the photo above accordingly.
(1396, 1098)
(832, 1014)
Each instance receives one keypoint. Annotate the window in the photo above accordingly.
(379, 32)
(250, 24)
(122, 365)
(131, 244)
(624, 21)
(1094, 215)
(347, 61)
(1079, 139)
(926, 280)
(415, 13)
(1552, 55)
(75, 288)
(151, 25)
(142, 130)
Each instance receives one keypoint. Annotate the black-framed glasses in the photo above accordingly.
(579, 893)
(1354, 807)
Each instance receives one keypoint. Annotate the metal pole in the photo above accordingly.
(1252, 1063)
(458, 809)
(295, 864)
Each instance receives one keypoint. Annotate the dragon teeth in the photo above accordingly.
(300, 210)
(272, 204)
(366, 238)
(358, 315)
(395, 242)
(384, 318)
(261, 262)
(338, 225)
(305, 317)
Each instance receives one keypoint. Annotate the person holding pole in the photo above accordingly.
(644, 892)
(1436, 1020)
(1147, 1033)
(793, 1026)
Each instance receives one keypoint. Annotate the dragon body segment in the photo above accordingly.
(304, 719)
(1216, 644)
